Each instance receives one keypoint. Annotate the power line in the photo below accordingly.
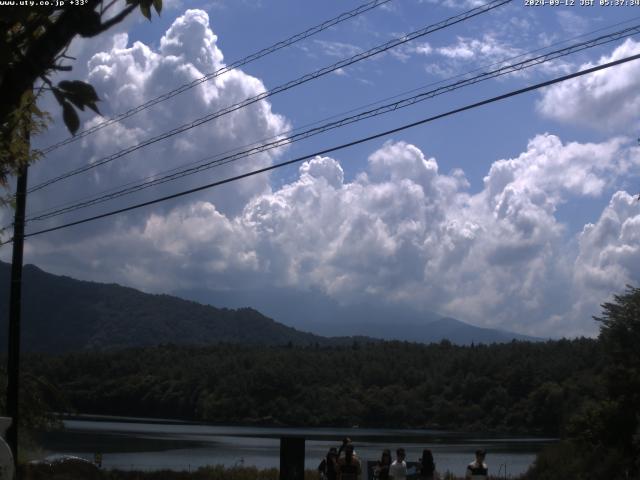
(339, 147)
(390, 107)
(221, 71)
(291, 84)
(156, 176)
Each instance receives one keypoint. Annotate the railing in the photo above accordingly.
(292, 463)
(505, 470)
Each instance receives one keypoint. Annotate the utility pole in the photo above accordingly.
(15, 301)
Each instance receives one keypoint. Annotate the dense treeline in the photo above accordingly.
(526, 387)
(601, 439)
(585, 390)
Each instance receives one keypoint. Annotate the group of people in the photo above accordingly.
(343, 464)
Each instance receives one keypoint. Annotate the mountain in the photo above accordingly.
(63, 314)
(465, 334)
(318, 313)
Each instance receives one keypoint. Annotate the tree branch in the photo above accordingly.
(118, 18)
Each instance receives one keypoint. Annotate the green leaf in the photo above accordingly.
(146, 11)
(157, 4)
(82, 90)
(93, 107)
(75, 100)
(58, 94)
(70, 118)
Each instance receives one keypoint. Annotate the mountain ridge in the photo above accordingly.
(318, 313)
(62, 314)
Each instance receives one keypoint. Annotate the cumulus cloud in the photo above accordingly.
(127, 74)
(608, 256)
(608, 99)
(610, 249)
(400, 231)
(404, 232)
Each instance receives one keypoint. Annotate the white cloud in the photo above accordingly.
(423, 48)
(487, 48)
(609, 255)
(456, 3)
(400, 230)
(550, 170)
(610, 249)
(126, 75)
(607, 99)
(338, 49)
(403, 232)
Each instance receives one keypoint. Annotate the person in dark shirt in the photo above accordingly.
(427, 467)
(345, 441)
(381, 470)
(349, 466)
(328, 467)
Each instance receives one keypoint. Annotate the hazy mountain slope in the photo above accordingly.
(63, 314)
(318, 313)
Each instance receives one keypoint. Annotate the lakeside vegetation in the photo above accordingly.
(216, 472)
(585, 391)
(516, 387)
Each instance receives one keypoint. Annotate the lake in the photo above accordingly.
(149, 444)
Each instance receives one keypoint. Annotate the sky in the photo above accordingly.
(521, 215)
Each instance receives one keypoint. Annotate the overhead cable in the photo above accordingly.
(338, 147)
(326, 119)
(383, 109)
(221, 71)
(268, 93)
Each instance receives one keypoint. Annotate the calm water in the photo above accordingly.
(156, 444)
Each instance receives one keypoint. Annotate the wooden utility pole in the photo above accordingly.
(15, 301)
(292, 458)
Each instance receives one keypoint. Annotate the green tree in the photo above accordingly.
(602, 437)
(32, 47)
(620, 338)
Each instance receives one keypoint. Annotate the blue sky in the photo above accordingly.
(517, 215)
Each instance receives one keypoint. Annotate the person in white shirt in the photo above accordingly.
(477, 470)
(398, 469)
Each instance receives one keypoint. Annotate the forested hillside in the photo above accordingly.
(586, 391)
(526, 387)
(61, 314)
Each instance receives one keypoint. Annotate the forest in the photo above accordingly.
(515, 387)
(584, 391)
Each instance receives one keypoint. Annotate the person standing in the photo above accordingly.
(345, 441)
(478, 470)
(398, 469)
(381, 470)
(426, 466)
(349, 466)
(328, 467)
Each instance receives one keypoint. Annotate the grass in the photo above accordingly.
(86, 471)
